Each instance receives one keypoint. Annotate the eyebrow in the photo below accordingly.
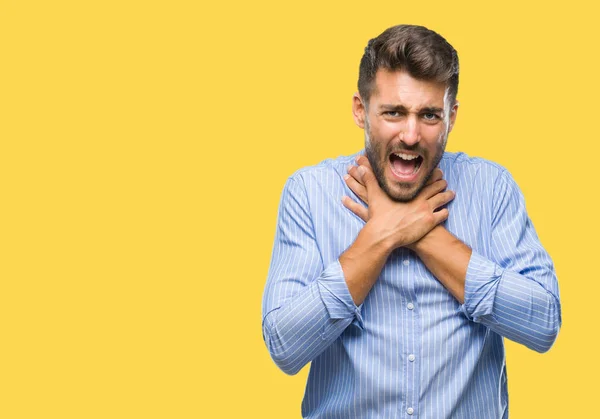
(397, 108)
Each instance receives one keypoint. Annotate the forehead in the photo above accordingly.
(400, 88)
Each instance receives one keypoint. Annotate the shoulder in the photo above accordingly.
(462, 168)
(471, 166)
(480, 179)
(325, 174)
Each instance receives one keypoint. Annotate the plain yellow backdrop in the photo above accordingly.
(144, 146)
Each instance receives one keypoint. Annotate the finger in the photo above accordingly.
(353, 171)
(363, 161)
(436, 175)
(356, 208)
(441, 199)
(368, 179)
(356, 187)
(433, 189)
(440, 216)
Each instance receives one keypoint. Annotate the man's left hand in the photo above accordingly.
(356, 184)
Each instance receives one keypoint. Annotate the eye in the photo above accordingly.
(431, 117)
(392, 114)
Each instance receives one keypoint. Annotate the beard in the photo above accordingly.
(403, 192)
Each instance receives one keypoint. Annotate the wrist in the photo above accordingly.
(425, 242)
(378, 239)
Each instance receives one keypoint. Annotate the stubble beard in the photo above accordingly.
(373, 151)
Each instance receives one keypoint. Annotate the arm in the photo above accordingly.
(306, 305)
(512, 299)
(516, 293)
(390, 225)
(447, 259)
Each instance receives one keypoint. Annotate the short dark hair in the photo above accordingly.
(421, 52)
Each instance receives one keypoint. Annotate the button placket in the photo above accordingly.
(411, 367)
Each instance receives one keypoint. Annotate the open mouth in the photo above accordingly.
(405, 165)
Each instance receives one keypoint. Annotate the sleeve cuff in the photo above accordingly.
(481, 284)
(336, 296)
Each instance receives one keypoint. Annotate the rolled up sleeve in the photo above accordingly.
(306, 305)
(514, 291)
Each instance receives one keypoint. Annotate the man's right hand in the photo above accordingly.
(398, 223)
(389, 225)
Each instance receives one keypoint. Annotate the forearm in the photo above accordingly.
(447, 259)
(308, 322)
(511, 304)
(363, 261)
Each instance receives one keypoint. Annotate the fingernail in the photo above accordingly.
(346, 177)
(357, 157)
(361, 170)
(349, 167)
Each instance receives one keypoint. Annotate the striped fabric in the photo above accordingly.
(410, 350)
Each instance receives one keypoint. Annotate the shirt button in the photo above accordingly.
(410, 306)
(410, 410)
(406, 262)
(411, 357)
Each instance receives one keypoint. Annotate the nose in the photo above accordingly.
(411, 134)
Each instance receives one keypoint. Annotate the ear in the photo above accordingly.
(453, 113)
(358, 110)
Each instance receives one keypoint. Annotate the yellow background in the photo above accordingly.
(144, 146)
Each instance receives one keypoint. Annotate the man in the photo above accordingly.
(401, 302)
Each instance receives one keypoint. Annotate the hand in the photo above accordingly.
(355, 183)
(400, 224)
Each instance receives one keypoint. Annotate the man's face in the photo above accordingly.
(406, 127)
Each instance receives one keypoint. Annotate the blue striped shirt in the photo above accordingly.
(411, 349)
